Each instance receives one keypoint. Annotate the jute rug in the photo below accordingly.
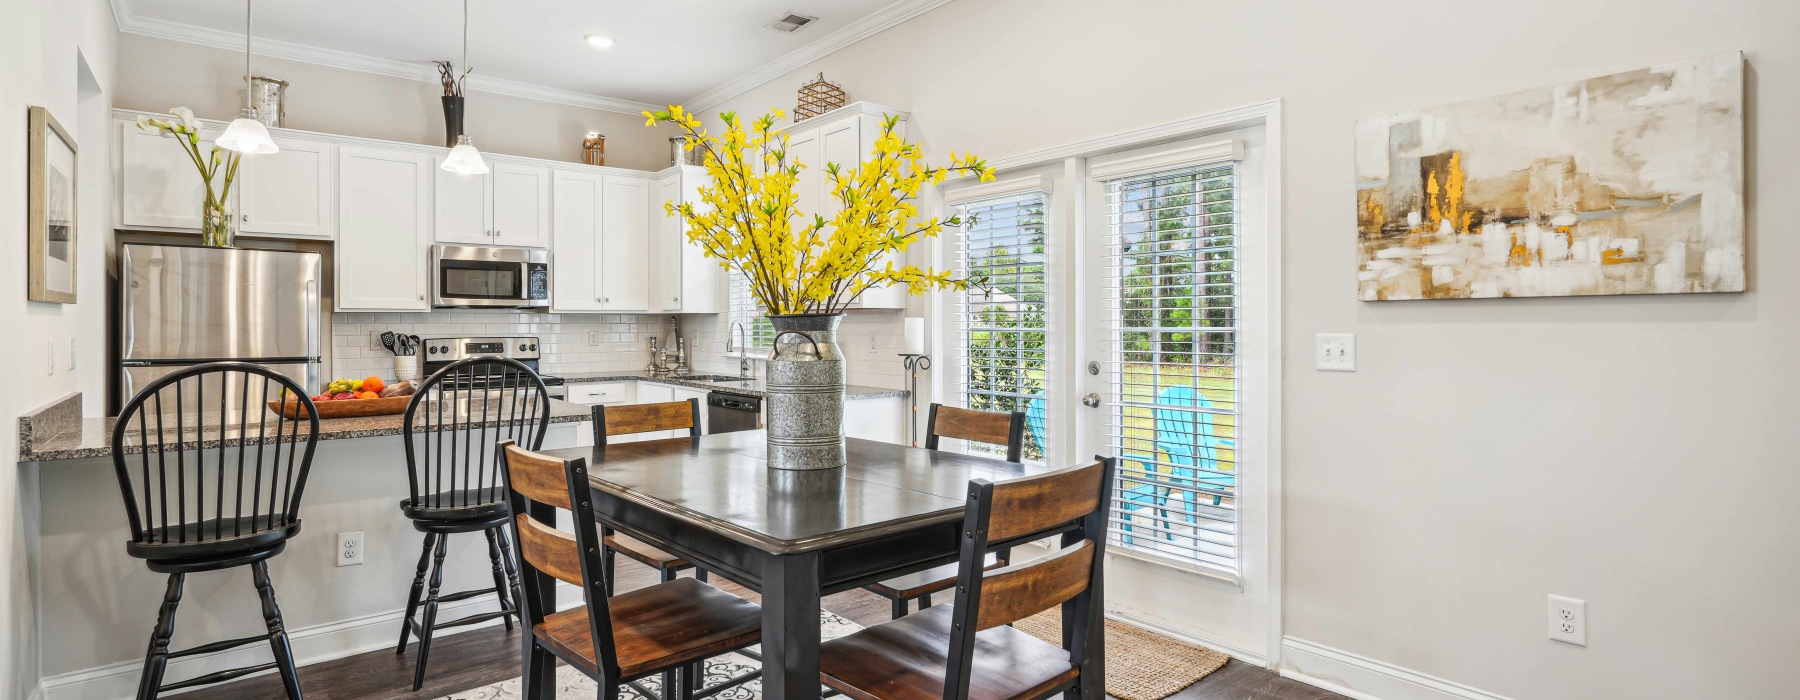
(1140, 664)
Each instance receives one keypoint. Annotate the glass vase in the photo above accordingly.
(217, 227)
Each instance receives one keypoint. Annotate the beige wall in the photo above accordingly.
(155, 75)
(1636, 452)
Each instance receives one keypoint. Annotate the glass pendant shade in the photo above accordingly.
(464, 159)
(247, 135)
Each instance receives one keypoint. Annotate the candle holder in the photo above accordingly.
(914, 364)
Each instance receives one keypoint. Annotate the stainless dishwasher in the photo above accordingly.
(729, 413)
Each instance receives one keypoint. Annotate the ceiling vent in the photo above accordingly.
(791, 22)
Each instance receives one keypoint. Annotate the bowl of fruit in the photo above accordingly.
(351, 398)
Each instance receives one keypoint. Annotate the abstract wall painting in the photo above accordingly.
(50, 216)
(1630, 183)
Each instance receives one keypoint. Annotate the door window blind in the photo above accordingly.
(1172, 285)
(1001, 335)
(759, 332)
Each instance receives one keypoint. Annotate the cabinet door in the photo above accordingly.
(839, 143)
(159, 186)
(804, 149)
(683, 394)
(575, 242)
(668, 245)
(290, 192)
(703, 282)
(463, 211)
(847, 143)
(384, 228)
(624, 244)
(649, 393)
(521, 205)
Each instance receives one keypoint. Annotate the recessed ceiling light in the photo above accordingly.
(599, 41)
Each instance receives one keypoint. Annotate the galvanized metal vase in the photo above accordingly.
(804, 408)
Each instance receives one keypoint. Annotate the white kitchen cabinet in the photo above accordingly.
(521, 204)
(687, 281)
(881, 420)
(601, 393)
(650, 393)
(575, 244)
(463, 213)
(624, 243)
(292, 192)
(159, 186)
(844, 136)
(384, 228)
(682, 394)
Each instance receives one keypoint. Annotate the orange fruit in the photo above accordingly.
(368, 395)
(374, 384)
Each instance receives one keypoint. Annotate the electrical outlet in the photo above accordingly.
(1568, 620)
(874, 344)
(1336, 352)
(349, 548)
(71, 353)
(375, 341)
(593, 337)
(53, 357)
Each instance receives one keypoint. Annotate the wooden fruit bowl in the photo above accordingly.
(358, 408)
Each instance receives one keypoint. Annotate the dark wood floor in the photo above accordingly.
(490, 655)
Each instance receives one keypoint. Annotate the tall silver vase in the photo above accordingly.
(804, 408)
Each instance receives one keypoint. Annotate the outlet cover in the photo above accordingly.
(1336, 352)
(1568, 620)
(349, 548)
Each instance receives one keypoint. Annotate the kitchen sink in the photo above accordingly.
(706, 377)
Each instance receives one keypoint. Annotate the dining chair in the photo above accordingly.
(636, 419)
(991, 427)
(202, 494)
(614, 639)
(969, 649)
(450, 428)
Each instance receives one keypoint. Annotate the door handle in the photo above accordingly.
(1091, 401)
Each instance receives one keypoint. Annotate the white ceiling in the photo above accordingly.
(698, 52)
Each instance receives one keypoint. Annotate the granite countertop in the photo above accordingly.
(57, 431)
(729, 384)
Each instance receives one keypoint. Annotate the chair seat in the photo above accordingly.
(905, 660)
(464, 504)
(658, 628)
(918, 583)
(184, 542)
(644, 552)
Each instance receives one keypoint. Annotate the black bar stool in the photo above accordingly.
(217, 485)
(456, 485)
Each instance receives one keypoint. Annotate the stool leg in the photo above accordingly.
(278, 637)
(157, 658)
(500, 589)
(692, 677)
(700, 574)
(418, 589)
(512, 576)
(431, 609)
(925, 601)
(899, 607)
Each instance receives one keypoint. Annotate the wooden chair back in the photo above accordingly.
(990, 427)
(538, 485)
(646, 418)
(189, 486)
(450, 458)
(1074, 500)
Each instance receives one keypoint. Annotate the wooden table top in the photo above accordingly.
(723, 483)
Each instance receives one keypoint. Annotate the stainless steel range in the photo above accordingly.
(440, 352)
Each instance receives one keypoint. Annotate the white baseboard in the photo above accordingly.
(1364, 678)
(1227, 648)
(37, 693)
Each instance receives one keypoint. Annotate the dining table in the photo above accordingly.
(793, 536)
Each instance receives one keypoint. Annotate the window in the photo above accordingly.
(759, 332)
(1172, 281)
(1001, 339)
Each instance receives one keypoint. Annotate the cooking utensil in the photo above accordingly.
(414, 344)
(387, 341)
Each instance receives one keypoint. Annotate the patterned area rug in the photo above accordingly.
(571, 683)
(1140, 664)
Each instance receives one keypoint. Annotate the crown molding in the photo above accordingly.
(868, 26)
(130, 23)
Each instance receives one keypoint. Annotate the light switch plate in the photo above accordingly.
(1336, 352)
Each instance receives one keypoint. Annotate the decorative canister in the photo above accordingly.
(804, 404)
(406, 367)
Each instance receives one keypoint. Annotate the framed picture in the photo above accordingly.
(51, 194)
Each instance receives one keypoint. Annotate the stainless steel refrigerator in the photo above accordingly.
(182, 306)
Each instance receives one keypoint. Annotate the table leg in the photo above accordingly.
(790, 633)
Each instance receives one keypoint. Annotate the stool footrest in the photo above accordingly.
(218, 646)
(465, 595)
(217, 677)
(472, 619)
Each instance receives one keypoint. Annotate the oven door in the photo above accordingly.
(470, 276)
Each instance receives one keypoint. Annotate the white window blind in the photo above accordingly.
(758, 330)
(1172, 283)
(1001, 338)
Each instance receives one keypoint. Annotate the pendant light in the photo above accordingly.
(464, 159)
(247, 135)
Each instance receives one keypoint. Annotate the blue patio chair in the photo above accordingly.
(1132, 496)
(1034, 421)
(1188, 438)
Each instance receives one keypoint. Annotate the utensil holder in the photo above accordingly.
(406, 367)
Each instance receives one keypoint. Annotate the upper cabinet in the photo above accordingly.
(159, 187)
(509, 206)
(687, 281)
(844, 136)
(577, 205)
(624, 243)
(384, 229)
(290, 192)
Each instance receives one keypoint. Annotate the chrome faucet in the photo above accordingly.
(743, 347)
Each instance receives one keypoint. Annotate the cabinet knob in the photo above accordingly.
(246, 217)
(606, 299)
(421, 297)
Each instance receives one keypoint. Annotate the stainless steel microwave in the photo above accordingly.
(481, 276)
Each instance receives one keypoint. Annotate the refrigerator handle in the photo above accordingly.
(312, 336)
